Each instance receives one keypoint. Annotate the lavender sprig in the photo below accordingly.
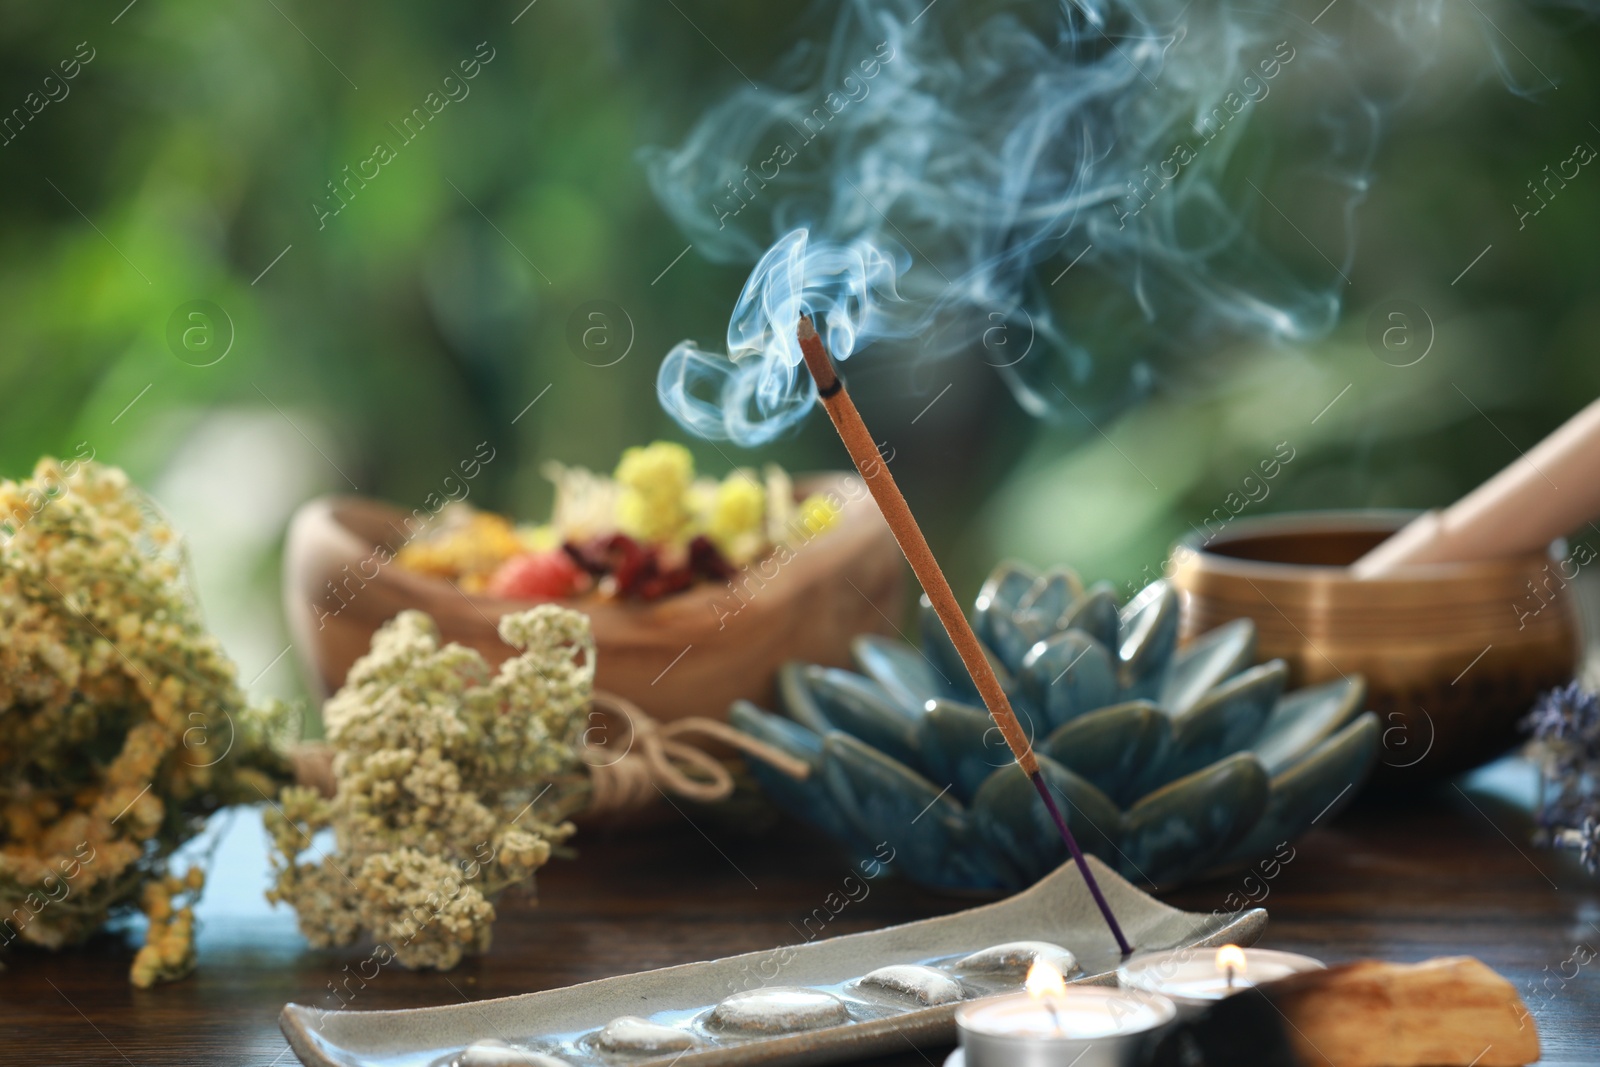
(1565, 729)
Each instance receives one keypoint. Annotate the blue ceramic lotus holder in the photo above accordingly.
(1173, 763)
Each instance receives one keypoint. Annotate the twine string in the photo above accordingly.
(648, 759)
(660, 757)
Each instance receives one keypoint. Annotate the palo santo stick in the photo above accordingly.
(1450, 1012)
(1545, 494)
(864, 453)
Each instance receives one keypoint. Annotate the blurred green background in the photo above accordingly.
(374, 350)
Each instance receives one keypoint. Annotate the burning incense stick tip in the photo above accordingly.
(817, 360)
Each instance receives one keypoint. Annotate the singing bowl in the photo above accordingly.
(1453, 654)
(691, 653)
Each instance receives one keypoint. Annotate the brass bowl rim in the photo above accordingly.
(1340, 520)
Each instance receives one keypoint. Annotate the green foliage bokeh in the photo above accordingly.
(186, 159)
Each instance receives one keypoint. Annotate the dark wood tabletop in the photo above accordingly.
(1446, 873)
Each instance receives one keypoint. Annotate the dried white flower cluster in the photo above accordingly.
(453, 783)
(121, 723)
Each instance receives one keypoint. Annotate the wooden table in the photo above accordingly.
(1445, 874)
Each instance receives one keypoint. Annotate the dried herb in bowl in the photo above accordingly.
(651, 529)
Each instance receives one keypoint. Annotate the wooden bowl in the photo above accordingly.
(1453, 654)
(692, 653)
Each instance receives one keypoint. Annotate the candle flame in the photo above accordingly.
(1230, 958)
(1044, 981)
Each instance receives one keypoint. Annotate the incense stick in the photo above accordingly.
(864, 453)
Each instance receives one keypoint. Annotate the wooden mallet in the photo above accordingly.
(1546, 493)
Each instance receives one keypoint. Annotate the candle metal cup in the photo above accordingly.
(1453, 654)
(1089, 1026)
(1193, 979)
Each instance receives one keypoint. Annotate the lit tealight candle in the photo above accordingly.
(1056, 1025)
(1194, 978)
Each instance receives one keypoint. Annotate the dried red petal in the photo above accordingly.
(707, 560)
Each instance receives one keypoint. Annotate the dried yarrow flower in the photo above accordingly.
(121, 722)
(454, 782)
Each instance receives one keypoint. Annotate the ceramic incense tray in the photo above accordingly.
(843, 998)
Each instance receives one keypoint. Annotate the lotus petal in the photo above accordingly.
(1047, 600)
(794, 693)
(1313, 789)
(907, 675)
(1208, 659)
(1112, 747)
(1184, 827)
(1147, 636)
(960, 745)
(1011, 636)
(1015, 825)
(783, 734)
(1225, 720)
(1002, 591)
(930, 832)
(1095, 613)
(1302, 720)
(806, 799)
(859, 707)
(1068, 674)
(947, 661)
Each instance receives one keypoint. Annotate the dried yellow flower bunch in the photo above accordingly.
(454, 782)
(121, 723)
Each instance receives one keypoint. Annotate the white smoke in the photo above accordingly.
(928, 173)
